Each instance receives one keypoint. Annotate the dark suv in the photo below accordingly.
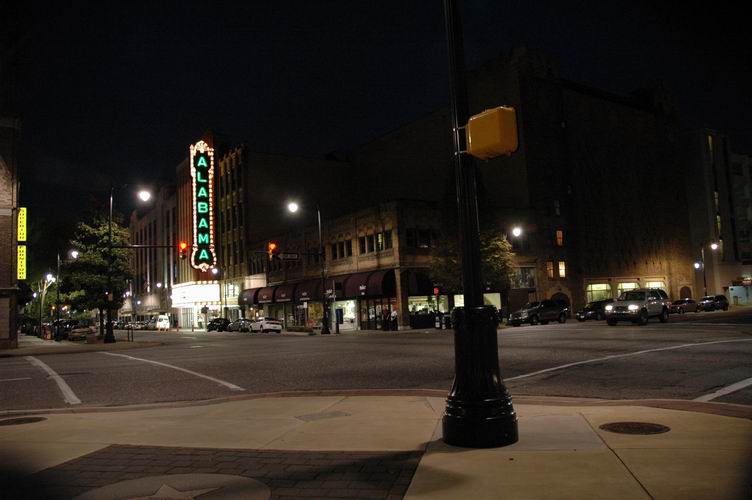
(540, 312)
(721, 302)
(218, 324)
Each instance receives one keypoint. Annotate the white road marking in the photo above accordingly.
(617, 356)
(196, 346)
(220, 382)
(68, 395)
(726, 390)
(14, 379)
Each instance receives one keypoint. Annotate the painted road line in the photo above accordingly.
(726, 390)
(618, 356)
(14, 379)
(196, 374)
(68, 395)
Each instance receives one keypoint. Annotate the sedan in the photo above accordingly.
(683, 305)
(593, 310)
(218, 324)
(707, 303)
(240, 325)
(266, 325)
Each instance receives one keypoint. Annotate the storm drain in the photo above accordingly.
(642, 428)
(22, 420)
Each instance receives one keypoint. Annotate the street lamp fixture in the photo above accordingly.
(698, 265)
(109, 336)
(517, 231)
(50, 278)
(714, 246)
(215, 271)
(159, 285)
(293, 208)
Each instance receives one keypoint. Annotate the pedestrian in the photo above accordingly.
(395, 326)
(385, 319)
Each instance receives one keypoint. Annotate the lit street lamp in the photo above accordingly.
(109, 336)
(713, 246)
(517, 231)
(74, 255)
(293, 208)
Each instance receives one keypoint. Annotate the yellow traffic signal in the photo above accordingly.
(492, 133)
(183, 249)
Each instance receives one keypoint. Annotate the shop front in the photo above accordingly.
(196, 303)
(371, 298)
(422, 304)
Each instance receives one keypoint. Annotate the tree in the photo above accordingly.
(497, 264)
(88, 273)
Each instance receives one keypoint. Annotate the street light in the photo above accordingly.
(74, 255)
(293, 207)
(109, 335)
(713, 246)
(516, 231)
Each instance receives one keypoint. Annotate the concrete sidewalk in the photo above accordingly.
(370, 446)
(29, 345)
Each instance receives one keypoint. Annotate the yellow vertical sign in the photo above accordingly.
(21, 260)
(22, 224)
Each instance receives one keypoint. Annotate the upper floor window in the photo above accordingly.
(562, 269)
(559, 238)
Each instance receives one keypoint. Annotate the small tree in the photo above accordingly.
(497, 263)
(88, 273)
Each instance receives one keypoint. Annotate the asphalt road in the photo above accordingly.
(693, 356)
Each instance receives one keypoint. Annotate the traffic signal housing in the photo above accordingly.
(183, 250)
(272, 249)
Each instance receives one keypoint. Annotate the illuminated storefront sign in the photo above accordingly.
(202, 175)
(21, 260)
(22, 224)
(21, 247)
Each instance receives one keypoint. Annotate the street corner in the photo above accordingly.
(163, 472)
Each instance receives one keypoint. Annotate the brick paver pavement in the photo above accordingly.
(288, 474)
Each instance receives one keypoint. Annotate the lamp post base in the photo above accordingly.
(479, 411)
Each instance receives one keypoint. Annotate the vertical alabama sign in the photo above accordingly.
(202, 175)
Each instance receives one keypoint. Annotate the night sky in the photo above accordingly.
(114, 92)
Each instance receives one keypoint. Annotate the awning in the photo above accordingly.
(419, 283)
(265, 295)
(356, 285)
(370, 284)
(248, 296)
(284, 293)
(308, 290)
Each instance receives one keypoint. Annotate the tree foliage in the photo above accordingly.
(497, 265)
(87, 274)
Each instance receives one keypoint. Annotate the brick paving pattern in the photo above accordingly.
(288, 474)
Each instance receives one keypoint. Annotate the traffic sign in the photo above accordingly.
(288, 256)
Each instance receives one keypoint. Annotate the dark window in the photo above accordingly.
(388, 239)
(361, 245)
(334, 251)
(341, 249)
(348, 248)
(424, 238)
(411, 237)
(370, 243)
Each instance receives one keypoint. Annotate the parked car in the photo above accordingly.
(163, 322)
(683, 305)
(266, 325)
(151, 324)
(218, 324)
(638, 306)
(539, 312)
(593, 310)
(721, 302)
(62, 328)
(240, 325)
(706, 303)
(81, 330)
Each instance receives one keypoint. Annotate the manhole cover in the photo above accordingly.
(21, 421)
(635, 428)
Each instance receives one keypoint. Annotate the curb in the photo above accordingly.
(711, 408)
(76, 349)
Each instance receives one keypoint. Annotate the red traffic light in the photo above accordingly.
(436, 290)
(272, 249)
(183, 249)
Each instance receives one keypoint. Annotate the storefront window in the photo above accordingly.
(598, 291)
(349, 314)
(627, 285)
(656, 284)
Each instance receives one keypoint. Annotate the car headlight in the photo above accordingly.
(609, 307)
(633, 307)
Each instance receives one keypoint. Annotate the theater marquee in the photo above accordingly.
(202, 175)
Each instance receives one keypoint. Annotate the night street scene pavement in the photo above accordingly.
(444, 249)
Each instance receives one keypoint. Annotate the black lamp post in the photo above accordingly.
(479, 411)
(293, 207)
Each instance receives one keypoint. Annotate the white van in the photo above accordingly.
(163, 322)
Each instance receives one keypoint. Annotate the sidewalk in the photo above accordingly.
(29, 345)
(378, 446)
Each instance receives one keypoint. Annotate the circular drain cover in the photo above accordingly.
(635, 428)
(21, 421)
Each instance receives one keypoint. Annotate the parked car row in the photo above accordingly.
(636, 306)
(245, 325)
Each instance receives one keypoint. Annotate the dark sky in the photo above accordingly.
(116, 91)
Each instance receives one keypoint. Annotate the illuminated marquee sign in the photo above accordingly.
(21, 246)
(202, 175)
(21, 260)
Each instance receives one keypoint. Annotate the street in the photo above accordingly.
(693, 357)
